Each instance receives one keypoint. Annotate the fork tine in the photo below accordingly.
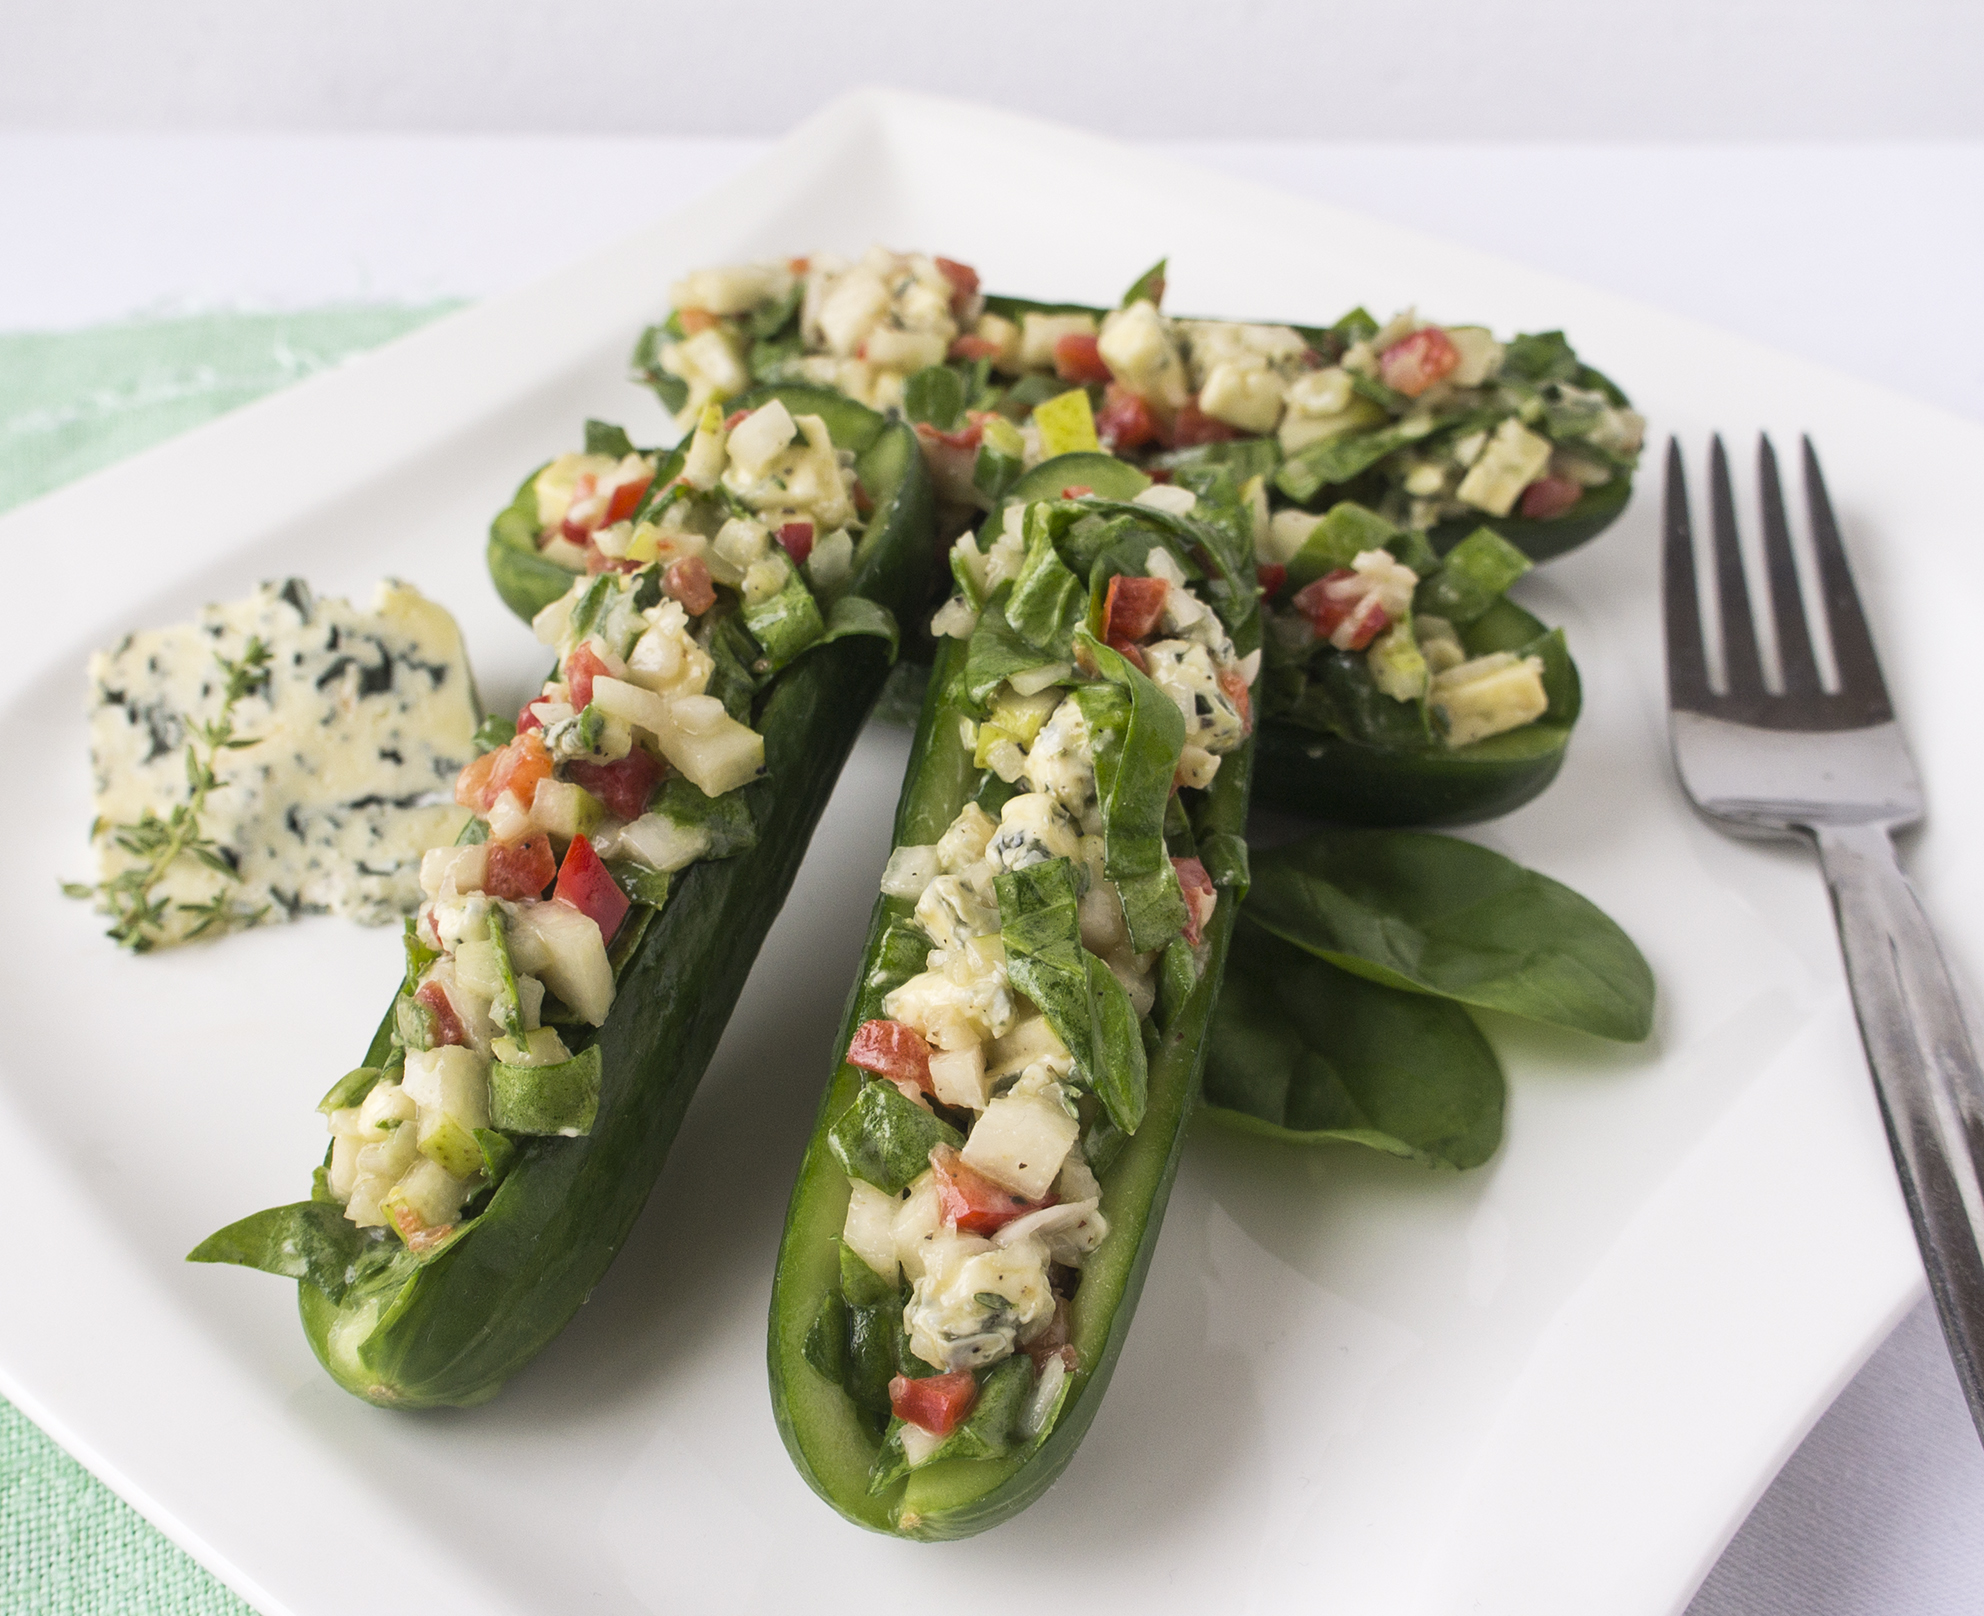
(1852, 645)
(1741, 666)
(1687, 665)
(1794, 640)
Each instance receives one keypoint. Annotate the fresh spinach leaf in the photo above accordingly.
(997, 651)
(604, 438)
(1302, 1051)
(1436, 915)
(1047, 600)
(311, 1240)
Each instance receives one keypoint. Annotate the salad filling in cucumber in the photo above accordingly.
(1404, 688)
(982, 1193)
(577, 953)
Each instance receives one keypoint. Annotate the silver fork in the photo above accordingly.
(1832, 766)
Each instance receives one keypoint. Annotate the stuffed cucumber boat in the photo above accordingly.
(576, 957)
(982, 1193)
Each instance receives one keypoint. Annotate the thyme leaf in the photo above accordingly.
(137, 917)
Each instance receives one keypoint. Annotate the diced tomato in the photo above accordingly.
(864, 502)
(1342, 610)
(517, 767)
(625, 497)
(1271, 575)
(892, 1050)
(588, 886)
(688, 581)
(527, 720)
(1132, 607)
(964, 284)
(447, 1025)
(1193, 426)
(1125, 421)
(1130, 652)
(582, 667)
(1077, 491)
(968, 436)
(625, 784)
(969, 348)
(1415, 363)
(1242, 698)
(1549, 497)
(797, 537)
(519, 869)
(731, 420)
(1078, 359)
(798, 266)
(971, 1201)
(937, 1403)
(694, 320)
(1201, 897)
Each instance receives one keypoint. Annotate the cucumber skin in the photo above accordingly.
(959, 1498)
(482, 1309)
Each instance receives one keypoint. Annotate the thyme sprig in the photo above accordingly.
(137, 917)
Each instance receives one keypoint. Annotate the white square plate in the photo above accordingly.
(1551, 1385)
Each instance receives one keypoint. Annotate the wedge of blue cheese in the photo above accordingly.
(359, 732)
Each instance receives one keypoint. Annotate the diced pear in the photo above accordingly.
(557, 943)
(917, 1223)
(661, 844)
(1020, 1142)
(541, 1047)
(870, 1227)
(1515, 458)
(1489, 696)
(1030, 1041)
(721, 758)
(428, 1197)
(564, 809)
(958, 1075)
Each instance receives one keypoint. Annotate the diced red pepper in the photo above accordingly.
(798, 266)
(1549, 497)
(968, 436)
(1125, 421)
(447, 1025)
(1201, 897)
(1242, 698)
(1271, 576)
(797, 537)
(1342, 610)
(1078, 359)
(1132, 607)
(1193, 426)
(517, 768)
(588, 886)
(1130, 652)
(597, 560)
(952, 458)
(892, 1050)
(625, 497)
(731, 420)
(694, 320)
(1415, 363)
(864, 502)
(937, 1403)
(582, 667)
(1077, 491)
(527, 720)
(625, 784)
(688, 581)
(974, 347)
(519, 870)
(972, 1202)
(964, 284)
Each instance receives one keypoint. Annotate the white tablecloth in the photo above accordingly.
(1863, 257)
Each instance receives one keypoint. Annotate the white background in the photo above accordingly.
(1806, 174)
(1246, 69)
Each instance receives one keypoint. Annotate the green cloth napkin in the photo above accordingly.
(70, 402)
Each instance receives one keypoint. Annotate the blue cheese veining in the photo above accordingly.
(363, 723)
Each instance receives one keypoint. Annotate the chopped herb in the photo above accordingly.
(138, 918)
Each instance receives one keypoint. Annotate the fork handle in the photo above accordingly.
(1926, 1074)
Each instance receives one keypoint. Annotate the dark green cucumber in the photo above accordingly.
(1346, 782)
(450, 1329)
(822, 1429)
